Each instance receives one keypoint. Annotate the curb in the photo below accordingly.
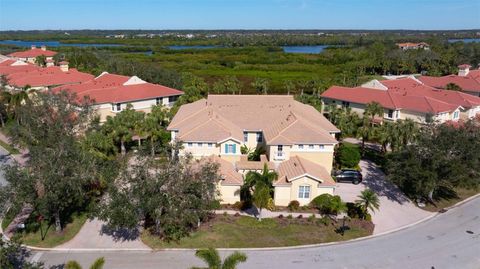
(405, 227)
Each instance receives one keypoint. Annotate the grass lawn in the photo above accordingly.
(52, 238)
(9, 148)
(462, 194)
(242, 232)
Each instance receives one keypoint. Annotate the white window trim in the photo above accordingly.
(305, 187)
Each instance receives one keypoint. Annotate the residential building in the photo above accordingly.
(405, 98)
(112, 93)
(29, 56)
(410, 45)
(9, 66)
(298, 141)
(47, 77)
(468, 80)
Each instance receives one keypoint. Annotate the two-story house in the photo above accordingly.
(297, 139)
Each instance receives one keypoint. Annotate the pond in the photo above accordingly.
(305, 49)
(464, 40)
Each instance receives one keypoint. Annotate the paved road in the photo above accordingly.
(450, 240)
(396, 210)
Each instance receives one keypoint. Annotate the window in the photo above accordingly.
(116, 107)
(210, 145)
(304, 192)
(345, 104)
(397, 114)
(300, 146)
(390, 114)
(119, 107)
(190, 145)
(200, 145)
(455, 115)
(158, 101)
(245, 137)
(230, 148)
(322, 146)
(311, 146)
(259, 137)
(172, 99)
(280, 148)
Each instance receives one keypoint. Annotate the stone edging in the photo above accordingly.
(257, 249)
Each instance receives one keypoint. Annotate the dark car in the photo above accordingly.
(349, 175)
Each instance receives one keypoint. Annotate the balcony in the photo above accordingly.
(279, 156)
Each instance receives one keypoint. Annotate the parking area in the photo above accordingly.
(396, 210)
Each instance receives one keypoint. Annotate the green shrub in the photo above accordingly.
(290, 216)
(215, 205)
(348, 155)
(324, 220)
(368, 217)
(311, 218)
(328, 204)
(293, 205)
(354, 211)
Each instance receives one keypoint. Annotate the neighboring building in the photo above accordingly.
(10, 66)
(112, 93)
(284, 128)
(406, 98)
(48, 77)
(29, 56)
(410, 45)
(468, 80)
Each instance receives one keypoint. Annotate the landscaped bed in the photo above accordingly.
(52, 239)
(246, 232)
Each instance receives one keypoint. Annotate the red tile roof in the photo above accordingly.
(405, 94)
(8, 67)
(111, 88)
(48, 76)
(32, 53)
(467, 83)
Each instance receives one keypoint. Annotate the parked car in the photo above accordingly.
(349, 175)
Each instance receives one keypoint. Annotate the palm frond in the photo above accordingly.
(232, 260)
(210, 257)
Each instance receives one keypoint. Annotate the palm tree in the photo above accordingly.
(368, 199)
(154, 125)
(97, 264)
(373, 109)
(261, 185)
(364, 132)
(213, 260)
(409, 131)
(260, 85)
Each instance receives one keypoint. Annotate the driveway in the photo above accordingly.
(95, 235)
(396, 210)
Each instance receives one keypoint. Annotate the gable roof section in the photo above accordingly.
(467, 83)
(297, 167)
(111, 88)
(228, 174)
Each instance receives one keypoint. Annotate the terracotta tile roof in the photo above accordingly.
(297, 167)
(405, 93)
(467, 83)
(226, 170)
(234, 114)
(111, 88)
(10, 66)
(32, 53)
(245, 164)
(48, 76)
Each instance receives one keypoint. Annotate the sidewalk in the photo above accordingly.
(21, 158)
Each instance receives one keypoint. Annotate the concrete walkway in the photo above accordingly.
(396, 210)
(95, 235)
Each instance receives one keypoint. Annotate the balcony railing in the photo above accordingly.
(279, 155)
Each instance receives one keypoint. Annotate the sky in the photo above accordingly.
(239, 14)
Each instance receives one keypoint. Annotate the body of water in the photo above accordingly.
(464, 40)
(53, 44)
(304, 49)
(198, 47)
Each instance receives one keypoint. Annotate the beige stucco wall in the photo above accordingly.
(251, 142)
(324, 159)
(199, 149)
(228, 194)
(285, 194)
(272, 151)
(230, 157)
